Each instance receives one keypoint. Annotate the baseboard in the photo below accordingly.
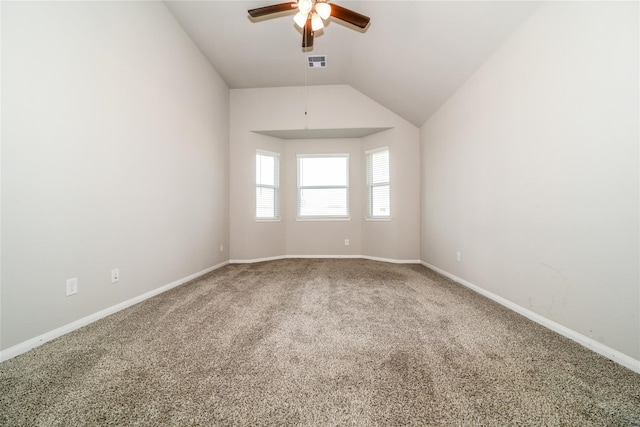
(603, 350)
(390, 260)
(393, 261)
(323, 257)
(32, 343)
(254, 260)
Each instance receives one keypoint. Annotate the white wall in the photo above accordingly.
(531, 171)
(329, 107)
(114, 154)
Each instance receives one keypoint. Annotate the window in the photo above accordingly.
(378, 183)
(323, 186)
(267, 185)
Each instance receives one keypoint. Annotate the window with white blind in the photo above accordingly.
(323, 186)
(378, 185)
(267, 185)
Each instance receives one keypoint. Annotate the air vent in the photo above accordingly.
(317, 61)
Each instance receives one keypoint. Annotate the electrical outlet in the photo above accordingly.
(346, 242)
(72, 286)
(221, 248)
(458, 256)
(115, 275)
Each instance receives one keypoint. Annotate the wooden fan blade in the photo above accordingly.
(274, 8)
(349, 16)
(307, 34)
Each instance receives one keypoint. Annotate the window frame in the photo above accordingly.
(371, 185)
(275, 187)
(299, 217)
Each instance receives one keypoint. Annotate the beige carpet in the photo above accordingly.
(316, 342)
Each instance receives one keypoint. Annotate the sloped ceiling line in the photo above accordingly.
(412, 58)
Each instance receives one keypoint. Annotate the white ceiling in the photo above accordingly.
(411, 58)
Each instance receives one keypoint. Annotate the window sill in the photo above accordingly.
(378, 219)
(268, 220)
(348, 218)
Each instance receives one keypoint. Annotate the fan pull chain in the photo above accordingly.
(306, 95)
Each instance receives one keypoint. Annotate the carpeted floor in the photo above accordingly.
(316, 342)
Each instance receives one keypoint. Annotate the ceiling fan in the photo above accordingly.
(311, 14)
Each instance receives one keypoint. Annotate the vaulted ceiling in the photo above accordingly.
(412, 57)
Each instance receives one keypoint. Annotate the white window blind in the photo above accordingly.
(378, 184)
(267, 185)
(323, 186)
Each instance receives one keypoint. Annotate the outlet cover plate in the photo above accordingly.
(72, 286)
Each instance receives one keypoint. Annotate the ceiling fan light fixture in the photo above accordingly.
(323, 9)
(316, 22)
(300, 19)
(311, 16)
(305, 6)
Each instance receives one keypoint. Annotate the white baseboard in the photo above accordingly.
(252, 261)
(32, 343)
(393, 261)
(591, 344)
(323, 256)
